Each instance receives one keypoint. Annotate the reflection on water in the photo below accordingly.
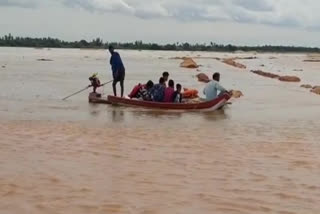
(157, 114)
(215, 116)
(95, 110)
(148, 116)
(117, 115)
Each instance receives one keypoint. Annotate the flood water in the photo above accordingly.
(259, 155)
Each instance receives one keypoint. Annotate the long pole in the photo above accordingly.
(106, 83)
(78, 92)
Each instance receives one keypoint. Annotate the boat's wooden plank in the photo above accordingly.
(174, 106)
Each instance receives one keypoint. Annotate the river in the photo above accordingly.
(259, 155)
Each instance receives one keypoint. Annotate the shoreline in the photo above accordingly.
(179, 51)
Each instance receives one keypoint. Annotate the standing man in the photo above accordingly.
(118, 70)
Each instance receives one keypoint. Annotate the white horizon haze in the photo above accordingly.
(238, 22)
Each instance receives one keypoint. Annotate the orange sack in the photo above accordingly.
(190, 93)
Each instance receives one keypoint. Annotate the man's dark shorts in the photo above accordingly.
(119, 76)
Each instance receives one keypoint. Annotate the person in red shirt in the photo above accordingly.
(144, 91)
(169, 92)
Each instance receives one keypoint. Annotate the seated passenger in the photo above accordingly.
(168, 93)
(212, 88)
(177, 96)
(135, 91)
(144, 91)
(157, 91)
(165, 76)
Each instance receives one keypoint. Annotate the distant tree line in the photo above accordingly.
(10, 41)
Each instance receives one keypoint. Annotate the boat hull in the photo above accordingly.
(96, 98)
(212, 105)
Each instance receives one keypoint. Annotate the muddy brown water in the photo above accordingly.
(258, 155)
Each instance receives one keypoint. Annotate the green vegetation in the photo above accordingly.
(10, 41)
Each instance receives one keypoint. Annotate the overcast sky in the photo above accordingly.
(240, 22)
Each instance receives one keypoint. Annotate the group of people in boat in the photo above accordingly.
(163, 91)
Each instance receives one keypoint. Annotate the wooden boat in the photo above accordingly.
(211, 105)
(98, 99)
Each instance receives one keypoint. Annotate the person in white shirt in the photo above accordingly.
(212, 88)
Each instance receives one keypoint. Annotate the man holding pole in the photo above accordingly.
(118, 71)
